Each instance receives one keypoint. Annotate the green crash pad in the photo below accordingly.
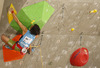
(40, 12)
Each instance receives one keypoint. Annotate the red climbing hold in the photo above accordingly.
(80, 57)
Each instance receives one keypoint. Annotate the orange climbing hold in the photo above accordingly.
(10, 55)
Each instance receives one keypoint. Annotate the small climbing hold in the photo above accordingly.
(72, 29)
(93, 11)
(32, 21)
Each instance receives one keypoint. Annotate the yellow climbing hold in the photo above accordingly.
(10, 17)
(32, 21)
(93, 11)
(72, 29)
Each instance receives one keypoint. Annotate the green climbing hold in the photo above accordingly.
(39, 13)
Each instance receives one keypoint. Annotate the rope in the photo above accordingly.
(41, 57)
(41, 50)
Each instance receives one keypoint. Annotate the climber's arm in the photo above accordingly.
(18, 22)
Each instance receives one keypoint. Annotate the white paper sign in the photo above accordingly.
(27, 40)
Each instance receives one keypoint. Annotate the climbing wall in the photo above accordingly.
(58, 41)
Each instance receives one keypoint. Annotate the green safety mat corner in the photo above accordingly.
(40, 12)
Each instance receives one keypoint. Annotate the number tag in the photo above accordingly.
(27, 40)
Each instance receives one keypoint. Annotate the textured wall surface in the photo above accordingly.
(58, 41)
(1, 7)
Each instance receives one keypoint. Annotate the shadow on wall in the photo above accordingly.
(4, 19)
(1, 7)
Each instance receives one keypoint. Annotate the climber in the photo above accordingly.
(27, 36)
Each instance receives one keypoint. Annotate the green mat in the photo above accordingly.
(40, 12)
